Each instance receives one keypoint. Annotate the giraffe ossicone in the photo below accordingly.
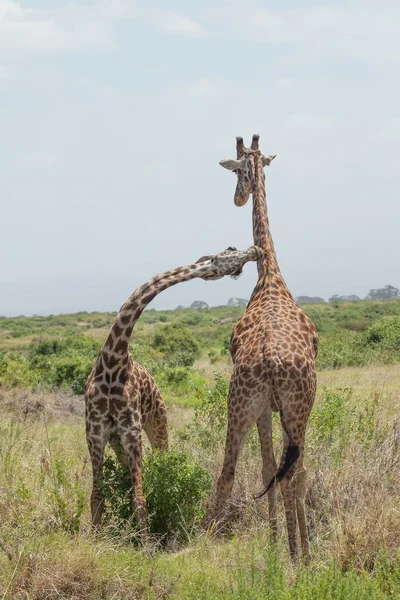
(121, 396)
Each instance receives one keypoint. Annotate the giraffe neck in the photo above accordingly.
(115, 350)
(269, 274)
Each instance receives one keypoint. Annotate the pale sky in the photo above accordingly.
(114, 116)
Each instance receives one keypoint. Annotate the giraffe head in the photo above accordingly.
(244, 167)
(228, 262)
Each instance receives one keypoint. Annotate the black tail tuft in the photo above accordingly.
(292, 454)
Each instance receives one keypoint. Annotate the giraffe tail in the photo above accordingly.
(292, 454)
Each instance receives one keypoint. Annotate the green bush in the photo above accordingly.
(72, 371)
(177, 377)
(179, 346)
(15, 371)
(384, 334)
(65, 345)
(49, 347)
(65, 361)
(146, 356)
(174, 487)
(342, 349)
(175, 490)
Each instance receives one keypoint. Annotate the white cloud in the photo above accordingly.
(170, 22)
(110, 10)
(22, 28)
(78, 27)
(363, 31)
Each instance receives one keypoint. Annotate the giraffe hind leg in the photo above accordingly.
(234, 444)
(290, 456)
(97, 436)
(264, 426)
(238, 430)
(132, 443)
(293, 492)
(156, 428)
(301, 477)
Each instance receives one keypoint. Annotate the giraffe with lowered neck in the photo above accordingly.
(122, 397)
(273, 347)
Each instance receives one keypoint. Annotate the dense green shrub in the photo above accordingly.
(15, 371)
(385, 334)
(71, 371)
(174, 487)
(192, 319)
(341, 349)
(176, 376)
(65, 361)
(178, 345)
(147, 356)
(58, 362)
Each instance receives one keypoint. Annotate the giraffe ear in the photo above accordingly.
(232, 165)
(266, 160)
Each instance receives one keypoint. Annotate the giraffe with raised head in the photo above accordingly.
(273, 347)
(122, 397)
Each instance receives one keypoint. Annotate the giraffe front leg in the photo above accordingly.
(264, 426)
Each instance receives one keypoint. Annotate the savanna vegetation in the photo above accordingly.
(47, 549)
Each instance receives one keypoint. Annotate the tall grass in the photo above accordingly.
(47, 549)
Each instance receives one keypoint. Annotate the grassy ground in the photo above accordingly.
(48, 550)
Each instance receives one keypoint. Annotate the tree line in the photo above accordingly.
(389, 292)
